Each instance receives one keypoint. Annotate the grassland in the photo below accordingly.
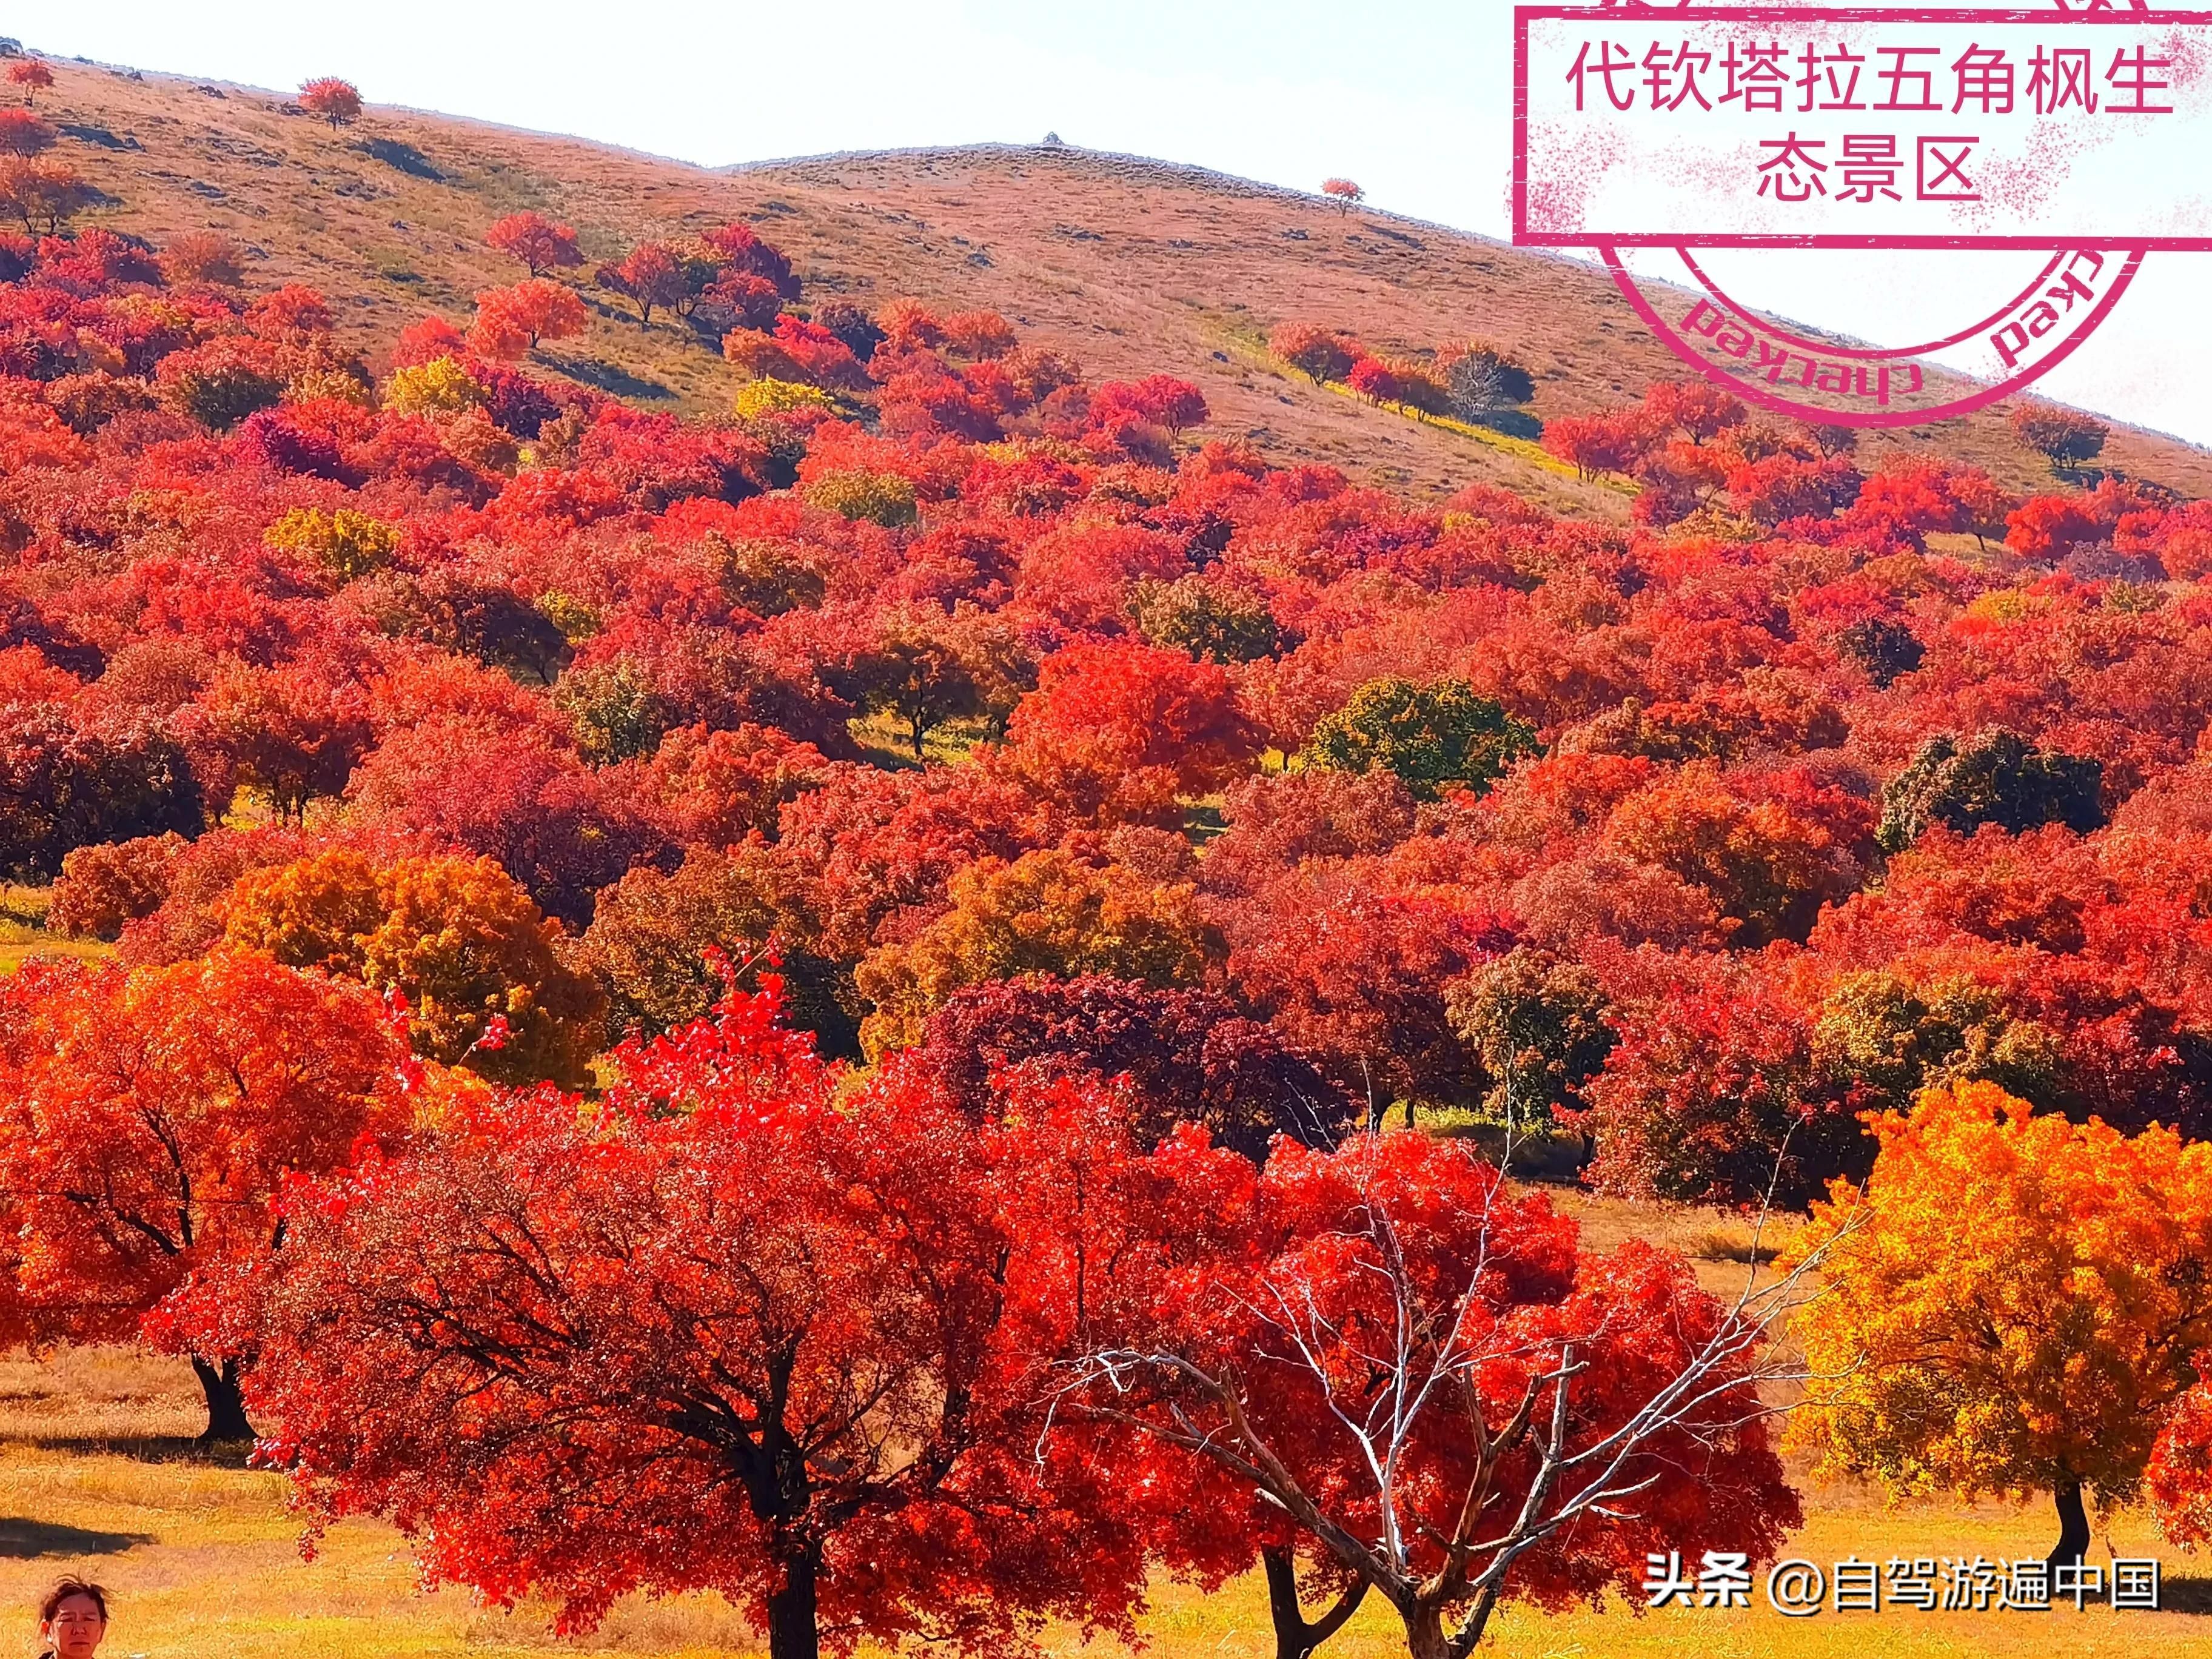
(98, 1474)
(1135, 266)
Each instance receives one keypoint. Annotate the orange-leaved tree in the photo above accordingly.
(511, 321)
(2013, 1305)
(478, 965)
(148, 1120)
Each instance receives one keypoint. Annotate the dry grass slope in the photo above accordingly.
(1134, 266)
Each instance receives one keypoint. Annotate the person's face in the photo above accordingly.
(75, 1628)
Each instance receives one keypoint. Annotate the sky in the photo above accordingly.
(1412, 100)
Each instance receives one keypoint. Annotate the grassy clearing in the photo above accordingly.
(23, 935)
(1523, 449)
(885, 742)
(1520, 448)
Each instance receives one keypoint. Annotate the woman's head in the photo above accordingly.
(72, 1619)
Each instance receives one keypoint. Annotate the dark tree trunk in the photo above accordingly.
(791, 1613)
(1295, 1637)
(2073, 1525)
(225, 1405)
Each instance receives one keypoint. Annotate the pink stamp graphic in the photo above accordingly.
(2078, 133)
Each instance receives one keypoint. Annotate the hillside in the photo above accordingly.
(1135, 266)
(922, 1001)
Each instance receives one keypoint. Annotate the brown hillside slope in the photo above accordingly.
(1135, 266)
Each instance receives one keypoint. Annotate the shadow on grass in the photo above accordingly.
(2185, 1595)
(22, 1540)
(1546, 1158)
(611, 378)
(143, 1447)
(1513, 423)
(405, 157)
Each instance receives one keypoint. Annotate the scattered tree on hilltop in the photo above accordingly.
(202, 256)
(649, 275)
(33, 76)
(511, 321)
(331, 100)
(22, 133)
(1596, 444)
(42, 192)
(1318, 353)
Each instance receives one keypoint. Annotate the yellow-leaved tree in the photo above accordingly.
(458, 937)
(1048, 912)
(2012, 1308)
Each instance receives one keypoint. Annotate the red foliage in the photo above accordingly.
(22, 133)
(560, 829)
(717, 788)
(149, 1121)
(1119, 731)
(511, 321)
(33, 76)
(1186, 1056)
(874, 1249)
(1286, 1330)
(649, 275)
(1354, 974)
(1609, 442)
(1711, 1097)
(1160, 400)
(526, 620)
(292, 733)
(538, 243)
(332, 99)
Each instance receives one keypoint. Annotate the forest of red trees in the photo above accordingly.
(778, 986)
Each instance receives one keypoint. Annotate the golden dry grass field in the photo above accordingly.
(97, 1475)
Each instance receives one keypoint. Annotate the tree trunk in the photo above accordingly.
(2073, 1525)
(1425, 1632)
(225, 1405)
(791, 1615)
(1295, 1637)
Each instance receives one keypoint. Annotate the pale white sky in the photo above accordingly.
(1413, 99)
